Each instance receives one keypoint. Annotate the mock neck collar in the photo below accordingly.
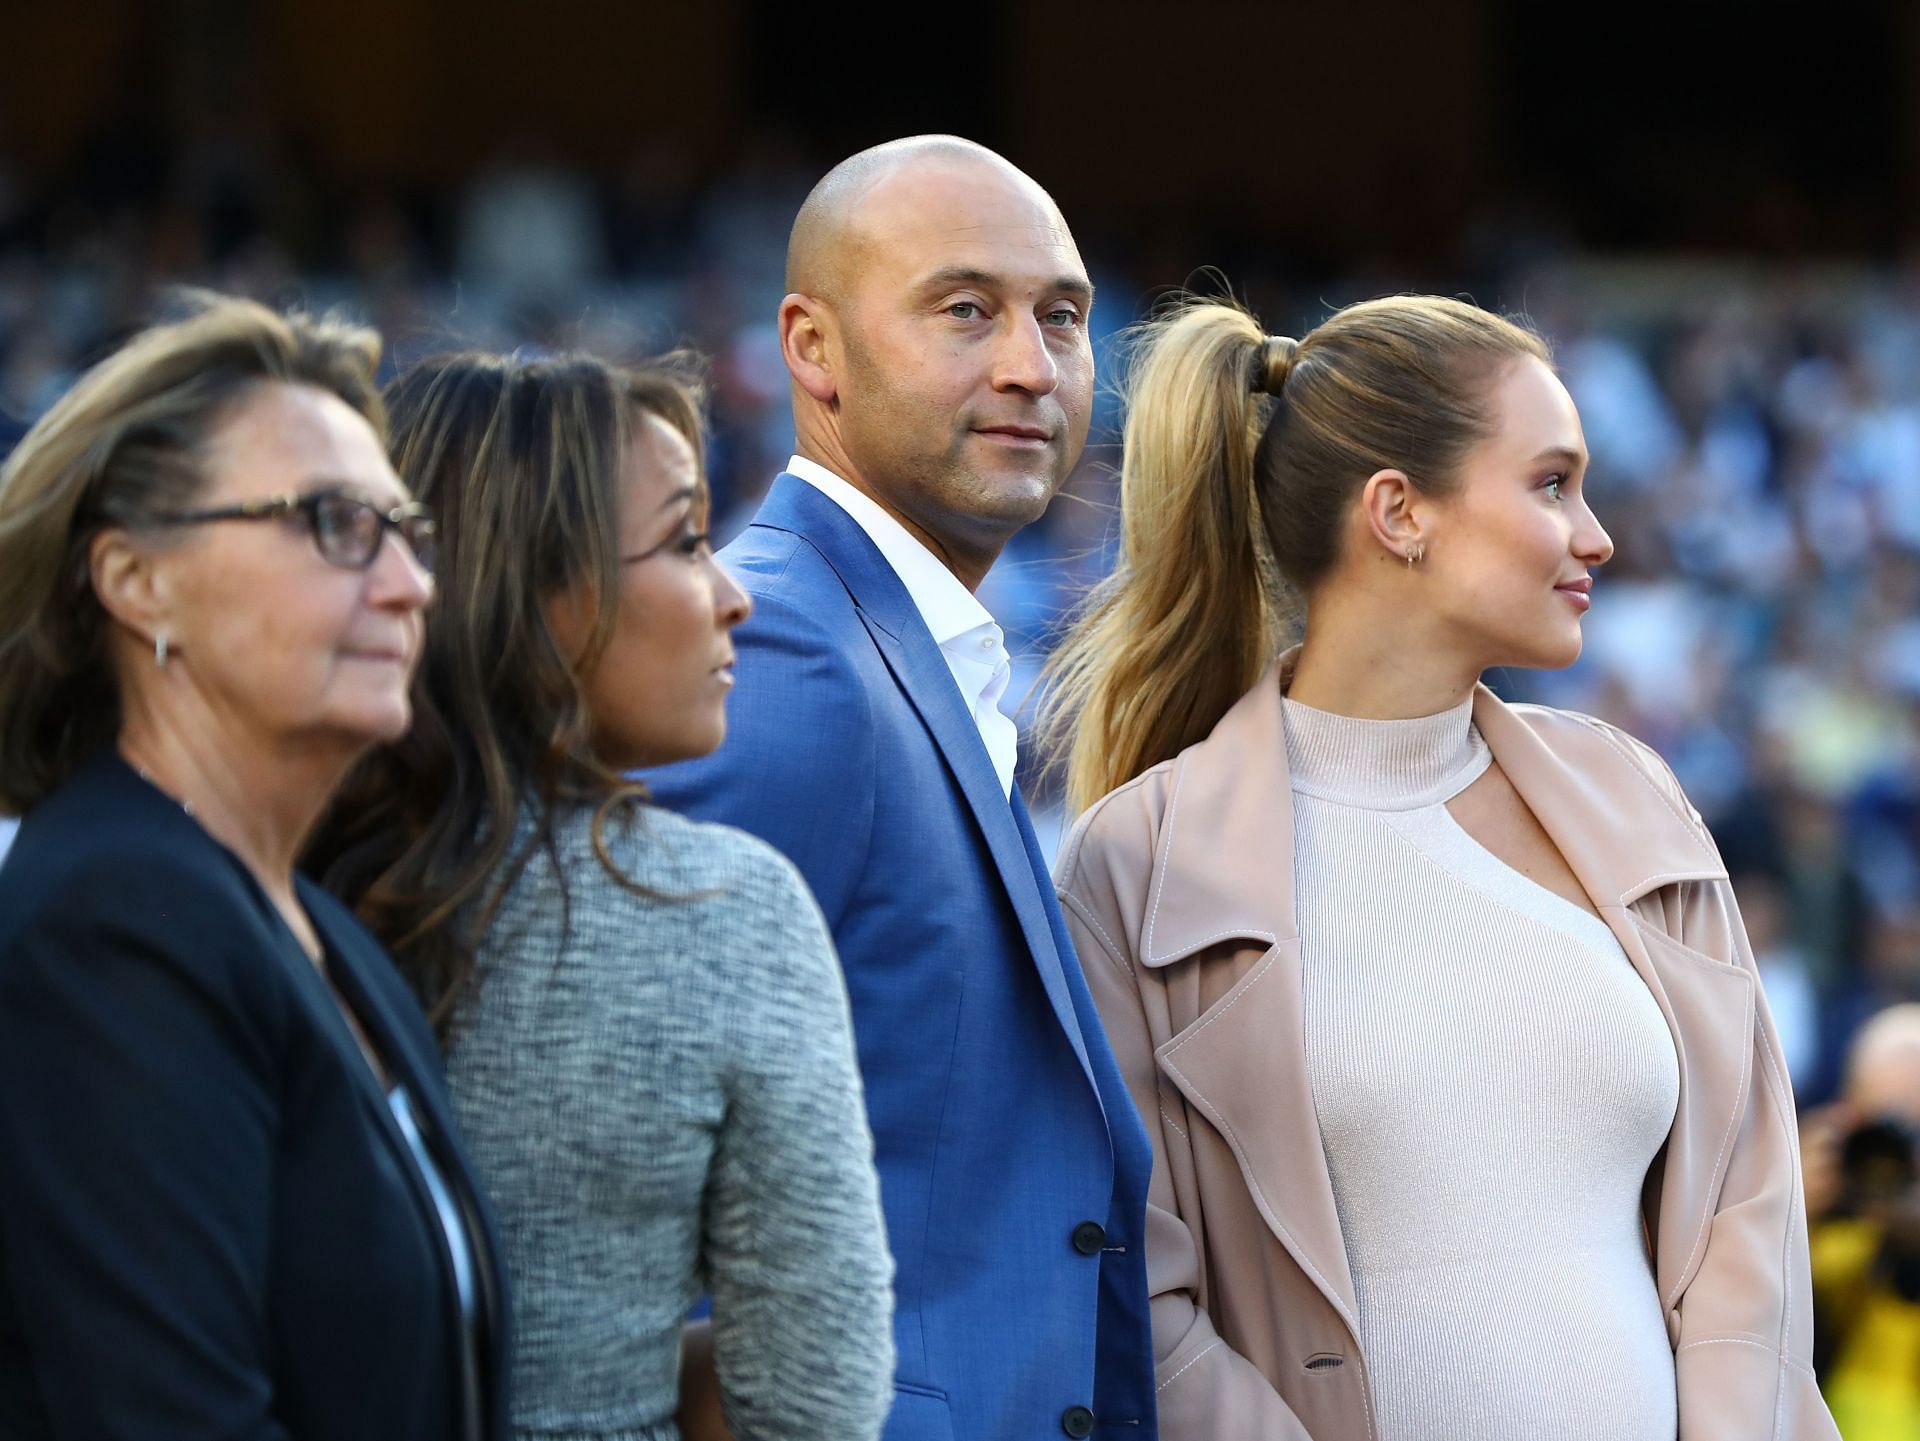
(1382, 765)
(1614, 811)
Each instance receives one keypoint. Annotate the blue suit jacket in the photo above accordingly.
(1001, 1123)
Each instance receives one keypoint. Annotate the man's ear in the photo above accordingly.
(131, 584)
(806, 326)
(1391, 505)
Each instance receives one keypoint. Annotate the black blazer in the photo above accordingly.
(210, 1225)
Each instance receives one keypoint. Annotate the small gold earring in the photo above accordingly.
(1415, 554)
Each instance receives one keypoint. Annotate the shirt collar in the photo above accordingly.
(949, 609)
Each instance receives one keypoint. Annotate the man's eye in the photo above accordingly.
(964, 310)
(1066, 317)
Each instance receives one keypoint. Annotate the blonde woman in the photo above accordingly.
(1470, 1123)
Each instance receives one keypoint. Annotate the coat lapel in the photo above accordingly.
(1243, 1065)
(1593, 801)
(1623, 835)
(902, 638)
(1057, 932)
(353, 969)
(354, 963)
(1224, 874)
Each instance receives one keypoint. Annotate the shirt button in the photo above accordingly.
(1089, 1238)
(986, 642)
(1077, 1421)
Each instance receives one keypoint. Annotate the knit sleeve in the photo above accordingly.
(793, 1241)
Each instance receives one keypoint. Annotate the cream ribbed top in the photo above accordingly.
(1492, 1080)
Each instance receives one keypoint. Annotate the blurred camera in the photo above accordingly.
(1881, 1177)
(1878, 1164)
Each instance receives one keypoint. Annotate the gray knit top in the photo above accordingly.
(1492, 1080)
(662, 1099)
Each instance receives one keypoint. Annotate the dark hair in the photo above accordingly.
(126, 443)
(520, 460)
(1242, 454)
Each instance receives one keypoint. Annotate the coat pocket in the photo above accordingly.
(920, 1413)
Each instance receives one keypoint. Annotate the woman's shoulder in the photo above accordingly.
(107, 844)
(706, 880)
(692, 855)
(1605, 753)
(109, 871)
(1120, 830)
(700, 929)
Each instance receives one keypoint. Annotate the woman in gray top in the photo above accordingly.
(647, 1031)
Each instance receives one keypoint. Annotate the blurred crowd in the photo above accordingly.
(1755, 436)
(1755, 440)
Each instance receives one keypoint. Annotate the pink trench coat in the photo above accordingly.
(1178, 888)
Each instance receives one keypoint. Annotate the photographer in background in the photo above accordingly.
(1863, 1206)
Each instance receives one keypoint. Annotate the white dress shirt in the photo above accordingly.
(972, 644)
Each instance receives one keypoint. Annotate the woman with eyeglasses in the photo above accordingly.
(233, 1202)
(647, 1031)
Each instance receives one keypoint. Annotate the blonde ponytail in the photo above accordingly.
(1223, 492)
(1190, 615)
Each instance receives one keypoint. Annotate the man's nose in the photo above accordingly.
(1023, 360)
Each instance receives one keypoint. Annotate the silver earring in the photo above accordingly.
(160, 644)
(1415, 554)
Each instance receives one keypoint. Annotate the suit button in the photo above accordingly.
(1089, 1238)
(1077, 1421)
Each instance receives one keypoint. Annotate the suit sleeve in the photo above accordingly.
(796, 768)
(1206, 1390)
(138, 1112)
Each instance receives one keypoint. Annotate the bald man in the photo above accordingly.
(936, 336)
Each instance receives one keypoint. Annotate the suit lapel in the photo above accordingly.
(353, 965)
(922, 672)
(400, 1045)
(1062, 956)
(902, 638)
(350, 965)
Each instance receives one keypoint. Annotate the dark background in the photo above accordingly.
(1389, 130)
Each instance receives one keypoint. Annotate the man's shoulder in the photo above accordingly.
(800, 721)
(793, 585)
(776, 558)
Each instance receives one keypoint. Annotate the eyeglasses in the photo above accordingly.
(346, 530)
